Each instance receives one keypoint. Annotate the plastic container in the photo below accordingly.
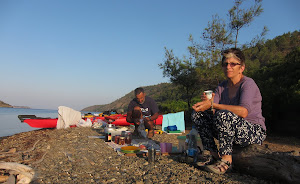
(192, 142)
(114, 131)
(172, 128)
(193, 132)
(163, 147)
(109, 128)
(181, 143)
(192, 146)
(169, 147)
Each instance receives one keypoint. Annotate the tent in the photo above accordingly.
(174, 119)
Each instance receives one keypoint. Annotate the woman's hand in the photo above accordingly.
(204, 104)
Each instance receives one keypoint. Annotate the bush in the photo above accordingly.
(173, 106)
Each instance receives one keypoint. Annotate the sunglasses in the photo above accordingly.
(230, 64)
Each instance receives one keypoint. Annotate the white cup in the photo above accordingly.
(208, 94)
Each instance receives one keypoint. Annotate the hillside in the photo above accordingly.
(260, 60)
(3, 104)
(155, 91)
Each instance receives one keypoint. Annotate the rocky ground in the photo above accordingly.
(70, 156)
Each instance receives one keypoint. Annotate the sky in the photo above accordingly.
(79, 53)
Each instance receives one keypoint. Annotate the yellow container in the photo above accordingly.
(89, 116)
(158, 131)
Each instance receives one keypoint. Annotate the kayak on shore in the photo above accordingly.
(38, 122)
(117, 119)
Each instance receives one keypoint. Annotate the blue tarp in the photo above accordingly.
(174, 119)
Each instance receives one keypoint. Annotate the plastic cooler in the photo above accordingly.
(181, 143)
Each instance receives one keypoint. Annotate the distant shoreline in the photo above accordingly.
(16, 107)
(6, 105)
(21, 107)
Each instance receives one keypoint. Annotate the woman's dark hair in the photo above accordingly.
(234, 52)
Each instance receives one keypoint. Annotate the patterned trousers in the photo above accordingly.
(228, 129)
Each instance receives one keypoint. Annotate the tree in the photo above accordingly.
(202, 70)
(206, 53)
(259, 39)
(240, 18)
(182, 73)
(280, 88)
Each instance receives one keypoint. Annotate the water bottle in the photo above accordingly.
(151, 154)
(194, 131)
(186, 143)
(192, 147)
(141, 129)
(192, 144)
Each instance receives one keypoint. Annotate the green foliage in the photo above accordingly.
(279, 84)
(158, 92)
(168, 93)
(173, 106)
(240, 18)
(258, 39)
(214, 37)
(277, 78)
(201, 69)
(273, 64)
(272, 51)
(181, 73)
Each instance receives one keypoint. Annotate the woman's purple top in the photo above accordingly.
(248, 96)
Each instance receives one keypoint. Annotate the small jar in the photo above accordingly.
(123, 133)
(117, 139)
(108, 137)
(128, 138)
(122, 141)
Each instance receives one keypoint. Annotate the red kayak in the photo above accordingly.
(38, 122)
(41, 123)
(120, 120)
(159, 120)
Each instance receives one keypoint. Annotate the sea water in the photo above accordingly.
(10, 123)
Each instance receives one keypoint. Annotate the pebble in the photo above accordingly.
(72, 157)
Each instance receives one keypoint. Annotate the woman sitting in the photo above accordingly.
(237, 115)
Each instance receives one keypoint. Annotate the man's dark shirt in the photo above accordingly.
(149, 107)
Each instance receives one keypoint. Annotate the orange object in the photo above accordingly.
(142, 147)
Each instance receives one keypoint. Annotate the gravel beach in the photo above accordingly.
(71, 156)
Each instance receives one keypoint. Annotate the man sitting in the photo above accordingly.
(148, 108)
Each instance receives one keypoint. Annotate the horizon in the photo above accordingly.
(79, 54)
